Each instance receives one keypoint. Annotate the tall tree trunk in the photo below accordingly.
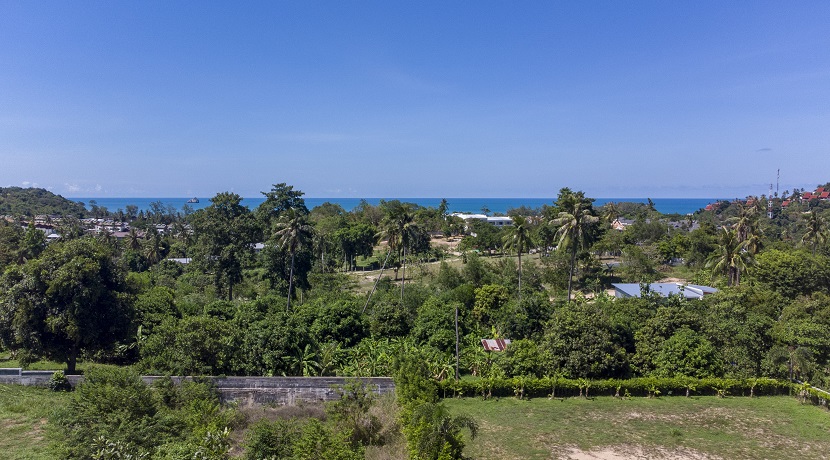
(403, 273)
(571, 275)
(520, 274)
(290, 283)
(71, 360)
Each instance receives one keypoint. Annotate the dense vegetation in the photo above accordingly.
(301, 303)
(17, 201)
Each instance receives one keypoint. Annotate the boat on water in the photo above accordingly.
(193, 200)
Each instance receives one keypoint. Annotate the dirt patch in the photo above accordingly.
(631, 452)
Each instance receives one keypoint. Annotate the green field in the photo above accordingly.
(575, 428)
(24, 422)
(663, 428)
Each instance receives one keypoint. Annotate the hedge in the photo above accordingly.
(532, 387)
(813, 395)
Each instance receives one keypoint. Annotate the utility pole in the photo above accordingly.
(457, 375)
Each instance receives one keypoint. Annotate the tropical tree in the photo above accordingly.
(518, 238)
(225, 234)
(400, 231)
(292, 232)
(435, 434)
(730, 257)
(72, 299)
(816, 230)
(610, 212)
(574, 231)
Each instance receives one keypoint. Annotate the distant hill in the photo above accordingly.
(17, 201)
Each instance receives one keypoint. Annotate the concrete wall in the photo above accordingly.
(245, 391)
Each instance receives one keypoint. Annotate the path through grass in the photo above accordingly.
(24, 419)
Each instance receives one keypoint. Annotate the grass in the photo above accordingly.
(669, 427)
(6, 361)
(24, 422)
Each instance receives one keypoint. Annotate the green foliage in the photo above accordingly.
(18, 201)
(579, 341)
(792, 273)
(435, 324)
(225, 233)
(114, 415)
(71, 299)
(59, 382)
(641, 386)
(687, 353)
(194, 345)
(433, 434)
(275, 439)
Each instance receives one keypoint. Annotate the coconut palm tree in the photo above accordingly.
(816, 230)
(574, 229)
(518, 237)
(730, 256)
(400, 230)
(293, 232)
(610, 212)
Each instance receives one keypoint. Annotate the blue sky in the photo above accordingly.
(414, 99)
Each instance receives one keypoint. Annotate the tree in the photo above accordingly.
(575, 224)
(279, 199)
(292, 232)
(72, 299)
(435, 434)
(816, 230)
(518, 237)
(225, 234)
(729, 257)
(400, 231)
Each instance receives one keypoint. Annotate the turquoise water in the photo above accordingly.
(494, 205)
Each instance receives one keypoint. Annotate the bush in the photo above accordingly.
(58, 382)
(644, 386)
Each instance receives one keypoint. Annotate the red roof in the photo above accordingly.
(824, 195)
(819, 190)
(785, 203)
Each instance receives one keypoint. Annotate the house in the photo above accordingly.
(621, 224)
(689, 291)
(496, 221)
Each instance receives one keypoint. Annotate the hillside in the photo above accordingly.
(17, 201)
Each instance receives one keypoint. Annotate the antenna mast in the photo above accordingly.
(769, 202)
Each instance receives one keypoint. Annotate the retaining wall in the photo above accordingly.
(245, 391)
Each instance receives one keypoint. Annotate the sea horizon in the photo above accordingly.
(491, 205)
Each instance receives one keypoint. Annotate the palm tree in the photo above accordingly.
(730, 256)
(133, 240)
(400, 230)
(610, 212)
(573, 233)
(439, 432)
(293, 232)
(518, 237)
(816, 230)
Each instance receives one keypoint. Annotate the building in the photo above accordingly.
(690, 291)
(496, 221)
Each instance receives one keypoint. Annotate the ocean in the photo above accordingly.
(469, 205)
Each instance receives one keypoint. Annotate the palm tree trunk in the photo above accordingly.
(403, 274)
(520, 274)
(290, 283)
(376, 282)
(571, 275)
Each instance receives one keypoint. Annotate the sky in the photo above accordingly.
(414, 99)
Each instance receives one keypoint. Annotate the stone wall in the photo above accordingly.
(245, 391)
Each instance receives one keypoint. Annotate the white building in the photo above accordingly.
(496, 221)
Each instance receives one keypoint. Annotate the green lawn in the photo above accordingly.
(24, 425)
(668, 427)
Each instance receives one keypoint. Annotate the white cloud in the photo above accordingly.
(72, 187)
